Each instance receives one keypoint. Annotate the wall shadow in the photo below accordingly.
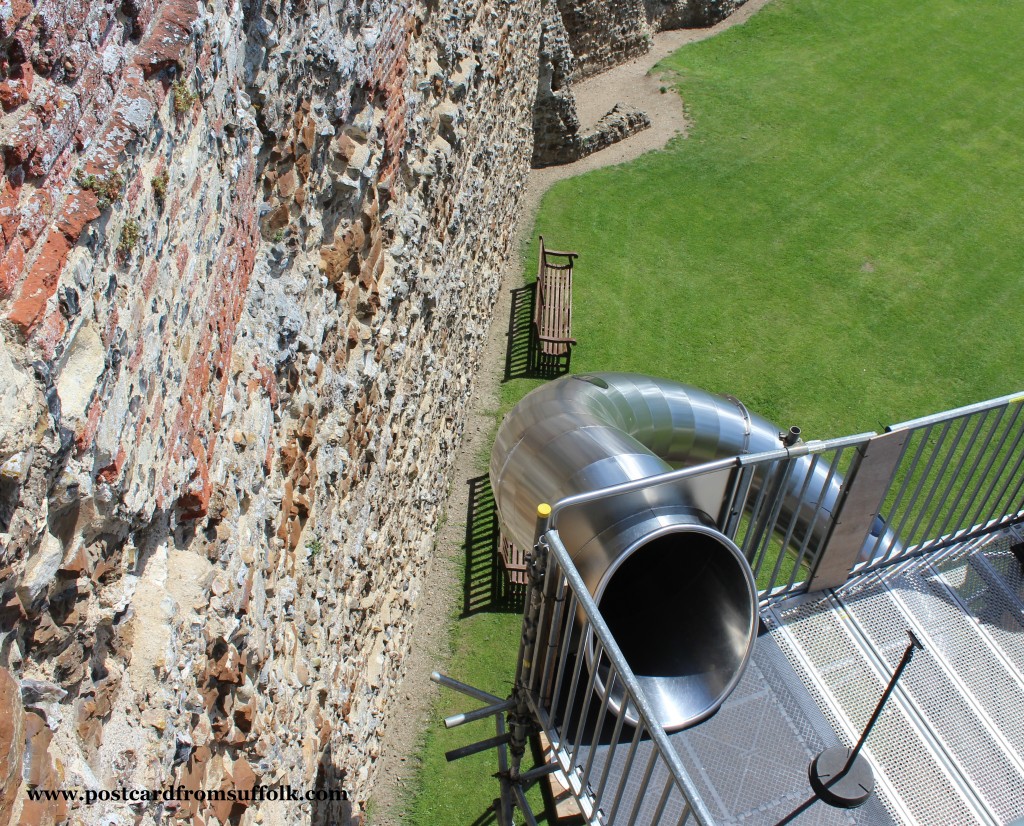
(330, 782)
(485, 586)
(519, 349)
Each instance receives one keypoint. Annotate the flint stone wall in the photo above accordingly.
(604, 33)
(580, 38)
(664, 15)
(556, 125)
(249, 252)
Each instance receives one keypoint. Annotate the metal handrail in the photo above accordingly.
(801, 449)
(957, 412)
(915, 507)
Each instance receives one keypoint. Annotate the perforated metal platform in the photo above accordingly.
(949, 749)
(750, 760)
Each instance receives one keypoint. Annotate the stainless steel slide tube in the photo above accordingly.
(677, 593)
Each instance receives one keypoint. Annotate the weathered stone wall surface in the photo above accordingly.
(604, 33)
(556, 126)
(621, 121)
(580, 38)
(559, 137)
(684, 14)
(248, 253)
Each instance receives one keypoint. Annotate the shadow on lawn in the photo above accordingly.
(485, 587)
(518, 351)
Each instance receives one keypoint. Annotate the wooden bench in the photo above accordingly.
(513, 561)
(552, 311)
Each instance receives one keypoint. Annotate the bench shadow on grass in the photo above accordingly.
(485, 586)
(522, 358)
(519, 349)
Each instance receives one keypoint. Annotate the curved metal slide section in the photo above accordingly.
(676, 592)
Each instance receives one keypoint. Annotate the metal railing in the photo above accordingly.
(785, 543)
(778, 506)
(960, 474)
(919, 486)
(572, 647)
(805, 517)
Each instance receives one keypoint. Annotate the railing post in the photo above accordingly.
(520, 718)
(865, 486)
(764, 524)
(740, 478)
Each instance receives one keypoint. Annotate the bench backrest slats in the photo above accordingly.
(553, 300)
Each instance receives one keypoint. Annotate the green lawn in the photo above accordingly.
(838, 243)
(483, 655)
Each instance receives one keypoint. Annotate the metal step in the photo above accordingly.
(990, 586)
(950, 746)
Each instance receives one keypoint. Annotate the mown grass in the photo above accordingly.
(837, 243)
(483, 655)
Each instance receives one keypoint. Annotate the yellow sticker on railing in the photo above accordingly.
(1017, 399)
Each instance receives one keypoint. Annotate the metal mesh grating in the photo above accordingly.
(749, 761)
(1007, 567)
(912, 772)
(957, 639)
(736, 752)
(982, 590)
(948, 712)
